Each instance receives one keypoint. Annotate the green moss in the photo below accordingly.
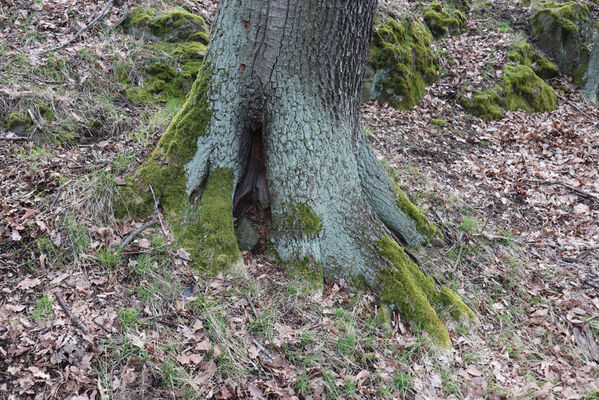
(404, 63)
(205, 231)
(301, 217)
(306, 270)
(423, 225)
(171, 74)
(484, 104)
(406, 286)
(15, 120)
(520, 89)
(208, 232)
(438, 122)
(176, 25)
(524, 90)
(443, 21)
(525, 55)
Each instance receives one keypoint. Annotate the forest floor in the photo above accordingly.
(86, 313)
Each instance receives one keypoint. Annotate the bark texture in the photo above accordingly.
(284, 84)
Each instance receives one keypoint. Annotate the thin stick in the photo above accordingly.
(69, 313)
(14, 138)
(136, 232)
(107, 7)
(572, 188)
(37, 124)
(249, 299)
(594, 120)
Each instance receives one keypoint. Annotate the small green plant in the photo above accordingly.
(77, 235)
(504, 27)
(346, 344)
(144, 265)
(438, 122)
(108, 258)
(128, 317)
(402, 382)
(43, 308)
(469, 224)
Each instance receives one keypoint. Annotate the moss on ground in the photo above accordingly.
(404, 63)
(423, 225)
(520, 89)
(443, 21)
(306, 270)
(524, 54)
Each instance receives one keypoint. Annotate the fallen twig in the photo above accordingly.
(37, 125)
(572, 188)
(594, 120)
(67, 311)
(136, 232)
(249, 299)
(104, 10)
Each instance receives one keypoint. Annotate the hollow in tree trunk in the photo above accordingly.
(275, 118)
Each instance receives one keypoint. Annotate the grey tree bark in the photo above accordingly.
(283, 89)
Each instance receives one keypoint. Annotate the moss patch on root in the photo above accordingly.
(443, 21)
(403, 62)
(206, 231)
(520, 89)
(423, 225)
(403, 284)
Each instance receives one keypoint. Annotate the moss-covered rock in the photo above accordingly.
(18, 123)
(463, 5)
(173, 66)
(591, 79)
(562, 31)
(176, 25)
(170, 73)
(520, 89)
(402, 63)
(524, 54)
(443, 21)
(403, 284)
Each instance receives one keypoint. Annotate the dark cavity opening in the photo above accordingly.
(251, 203)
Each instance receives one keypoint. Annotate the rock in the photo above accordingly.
(524, 54)
(247, 237)
(176, 25)
(401, 63)
(590, 88)
(443, 21)
(562, 31)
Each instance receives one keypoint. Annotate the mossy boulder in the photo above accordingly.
(520, 89)
(443, 21)
(18, 123)
(524, 54)
(170, 73)
(176, 25)
(180, 43)
(563, 31)
(463, 5)
(402, 63)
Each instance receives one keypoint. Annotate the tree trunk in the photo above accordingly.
(276, 119)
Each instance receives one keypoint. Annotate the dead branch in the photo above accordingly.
(104, 10)
(136, 232)
(68, 312)
(572, 188)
